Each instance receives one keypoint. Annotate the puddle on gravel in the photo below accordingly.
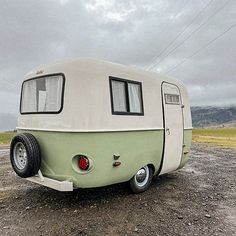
(192, 170)
(5, 194)
(4, 152)
(12, 188)
(230, 214)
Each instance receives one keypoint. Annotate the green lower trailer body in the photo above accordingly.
(135, 149)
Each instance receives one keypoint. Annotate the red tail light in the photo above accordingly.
(83, 162)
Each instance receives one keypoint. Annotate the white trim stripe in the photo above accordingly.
(89, 131)
(94, 131)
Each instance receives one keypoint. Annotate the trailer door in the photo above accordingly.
(173, 127)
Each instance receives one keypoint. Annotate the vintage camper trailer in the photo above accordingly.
(88, 123)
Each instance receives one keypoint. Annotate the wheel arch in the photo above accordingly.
(152, 167)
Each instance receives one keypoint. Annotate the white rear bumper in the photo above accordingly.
(63, 186)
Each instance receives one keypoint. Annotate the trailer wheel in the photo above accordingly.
(141, 180)
(25, 155)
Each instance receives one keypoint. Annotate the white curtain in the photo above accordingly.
(49, 96)
(53, 93)
(42, 100)
(119, 99)
(134, 98)
(29, 102)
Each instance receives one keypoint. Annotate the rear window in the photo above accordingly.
(42, 95)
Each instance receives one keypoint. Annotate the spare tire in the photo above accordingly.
(25, 155)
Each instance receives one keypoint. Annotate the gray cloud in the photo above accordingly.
(128, 32)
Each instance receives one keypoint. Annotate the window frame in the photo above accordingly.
(126, 82)
(172, 103)
(44, 112)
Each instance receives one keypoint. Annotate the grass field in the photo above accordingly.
(223, 137)
(5, 138)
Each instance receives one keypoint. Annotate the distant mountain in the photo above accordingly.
(213, 116)
(7, 122)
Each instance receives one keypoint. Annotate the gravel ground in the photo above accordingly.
(200, 199)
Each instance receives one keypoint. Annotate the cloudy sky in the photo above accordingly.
(192, 40)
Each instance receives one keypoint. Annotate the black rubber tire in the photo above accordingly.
(137, 189)
(33, 155)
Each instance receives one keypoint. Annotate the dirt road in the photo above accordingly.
(197, 200)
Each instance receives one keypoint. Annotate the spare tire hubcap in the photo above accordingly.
(20, 155)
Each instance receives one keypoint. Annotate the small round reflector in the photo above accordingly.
(83, 162)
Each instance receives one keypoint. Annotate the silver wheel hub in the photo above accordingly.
(142, 176)
(20, 155)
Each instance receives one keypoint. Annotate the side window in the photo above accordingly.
(172, 99)
(119, 96)
(126, 97)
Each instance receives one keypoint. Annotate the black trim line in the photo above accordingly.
(164, 137)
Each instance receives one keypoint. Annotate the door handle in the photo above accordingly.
(168, 131)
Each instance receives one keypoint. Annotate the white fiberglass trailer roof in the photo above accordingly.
(87, 101)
